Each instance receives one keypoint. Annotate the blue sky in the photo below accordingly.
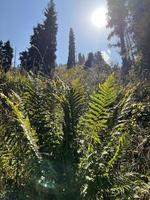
(18, 17)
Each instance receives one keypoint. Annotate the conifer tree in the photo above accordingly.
(50, 40)
(24, 60)
(1, 46)
(36, 50)
(81, 59)
(71, 56)
(7, 56)
(140, 27)
(41, 56)
(98, 59)
(90, 61)
(117, 13)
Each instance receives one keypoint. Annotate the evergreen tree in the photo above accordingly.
(117, 13)
(71, 56)
(7, 56)
(50, 40)
(24, 60)
(98, 59)
(36, 50)
(1, 46)
(41, 56)
(81, 59)
(140, 28)
(90, 61)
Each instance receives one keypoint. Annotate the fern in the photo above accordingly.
(96, 118)
(94, 151)
(103, 158)
(71, 103)
(43, 111)
(24, 122)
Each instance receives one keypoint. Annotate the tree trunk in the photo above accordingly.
(125, 61)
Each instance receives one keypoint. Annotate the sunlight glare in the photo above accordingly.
(99, 17)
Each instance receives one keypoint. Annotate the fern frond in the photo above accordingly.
(72, 109)
(117, 153)
(24, 122)
(120, 131)
(96, 118)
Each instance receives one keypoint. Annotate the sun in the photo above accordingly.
(99, 17)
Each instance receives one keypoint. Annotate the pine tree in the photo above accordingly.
(71, 56)
(7, 56)
(140, 28)
(36, 50)
(1, 46)
(90, 61)
(117, 12)
(98, 59)
(24, 60)
(50, 40)
(81, 59)
(41, 56)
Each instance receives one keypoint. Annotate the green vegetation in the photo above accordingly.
(77, 132)
(57, 142)
(6, 55)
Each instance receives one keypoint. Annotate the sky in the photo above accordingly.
(18, 17)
